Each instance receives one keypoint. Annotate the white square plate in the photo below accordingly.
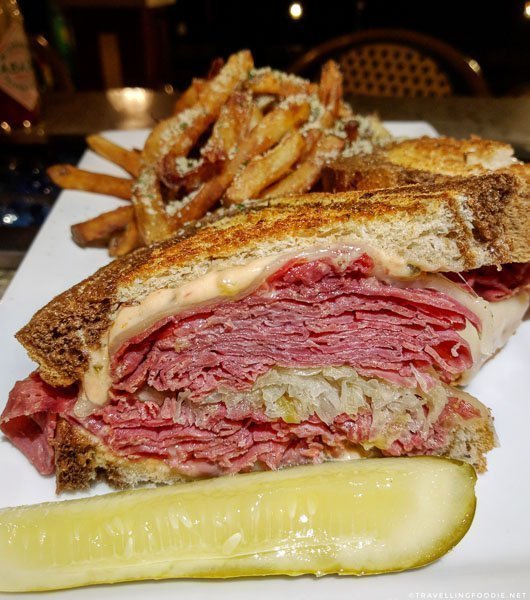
(494, 556)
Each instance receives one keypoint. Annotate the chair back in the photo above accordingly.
(396, 62)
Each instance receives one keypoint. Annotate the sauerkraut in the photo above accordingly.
(294, 395)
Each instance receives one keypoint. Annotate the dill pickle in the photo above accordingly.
(356, 517)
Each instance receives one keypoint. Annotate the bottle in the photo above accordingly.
(19, 95)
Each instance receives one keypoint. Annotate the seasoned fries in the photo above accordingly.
(308, 171)
(234, 123)
(265, 170)
(72, 178)
(330, 88)
(278, 83)
(178, 173)
(177, 136)
(190, 96)
(266, 133)
(238, 133)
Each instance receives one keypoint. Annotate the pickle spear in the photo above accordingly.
(356, 517)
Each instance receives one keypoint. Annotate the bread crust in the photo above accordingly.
(451, 227)
(81, 459)
(422, 160)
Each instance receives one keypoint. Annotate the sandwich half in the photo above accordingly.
(422, 160)
(290, 331)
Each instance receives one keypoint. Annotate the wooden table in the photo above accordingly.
(504, 119)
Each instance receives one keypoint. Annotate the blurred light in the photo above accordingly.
(168, 88)
(9, 218)
(295, 10)
(134, 98)
(5, 126)
(26, 123)
(133, 105)
(474, 65)
(527, 9)
(41, 40)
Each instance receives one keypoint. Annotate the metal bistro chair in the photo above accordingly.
(398, 63)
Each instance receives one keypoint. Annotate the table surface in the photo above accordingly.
(81, 113)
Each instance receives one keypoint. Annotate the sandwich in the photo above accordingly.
(284, 332)
(423, 160)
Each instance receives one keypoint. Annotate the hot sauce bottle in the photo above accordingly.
(19, 95)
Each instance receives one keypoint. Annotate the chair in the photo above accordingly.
(396, 62)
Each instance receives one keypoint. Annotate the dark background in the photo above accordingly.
(192, 32)
(496, 34)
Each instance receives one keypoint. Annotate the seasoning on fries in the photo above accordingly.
(266, 169)
(237, 134)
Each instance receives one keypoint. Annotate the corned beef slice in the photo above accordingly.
(30, 416)
(215, 440)
(209, 440)
(494, 284)
(309, 314)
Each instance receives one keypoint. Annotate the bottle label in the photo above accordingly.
(16, 72)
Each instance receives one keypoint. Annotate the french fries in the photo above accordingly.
(233, 124)
(178, 173)
(330, 87)
(264, 170)
(129, 160)
(267, 132)
(188, 98)
(308, 171)
(71, 178)
(272, 128)
(237, 133)
(278, 83)
(177, 136)
(99, 230)
(149, 206)
(125, 241)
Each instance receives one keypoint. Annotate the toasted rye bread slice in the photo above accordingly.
(462, 225)
(422, 160)
(81, 458)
